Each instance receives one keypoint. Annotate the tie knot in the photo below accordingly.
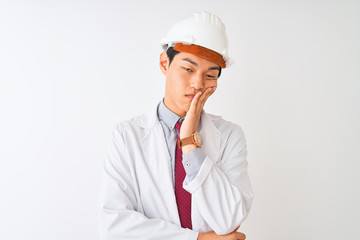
(178, 126)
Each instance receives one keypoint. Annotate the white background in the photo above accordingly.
(70, 70)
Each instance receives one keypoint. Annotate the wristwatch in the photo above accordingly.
(195, 138)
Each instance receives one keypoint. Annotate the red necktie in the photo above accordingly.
(183, 197)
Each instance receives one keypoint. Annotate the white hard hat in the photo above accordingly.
(203, 29)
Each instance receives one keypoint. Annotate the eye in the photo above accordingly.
(187, 69)
(210, 76)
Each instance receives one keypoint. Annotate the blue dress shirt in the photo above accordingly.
(193, 160)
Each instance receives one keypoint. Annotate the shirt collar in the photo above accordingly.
(166, 115)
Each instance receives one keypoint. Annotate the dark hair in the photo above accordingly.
(171, 54)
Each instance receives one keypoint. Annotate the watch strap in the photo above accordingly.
(186, 141)
(189, 140)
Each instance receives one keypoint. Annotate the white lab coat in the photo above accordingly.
(138, 199)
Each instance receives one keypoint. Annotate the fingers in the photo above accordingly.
(236, 236)
(232, 236)
(200, 98)
(206, 94)
(241, 236)
(194, 102)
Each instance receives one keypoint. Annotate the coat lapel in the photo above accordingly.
(156, 152)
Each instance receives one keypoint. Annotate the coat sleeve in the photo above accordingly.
(119, 215)
(221, 189)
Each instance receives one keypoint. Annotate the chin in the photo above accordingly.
(184, 107)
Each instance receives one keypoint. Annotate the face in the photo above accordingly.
(186, 75)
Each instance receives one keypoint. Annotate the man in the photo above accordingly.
(178, 172)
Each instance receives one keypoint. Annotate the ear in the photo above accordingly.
(164, 62)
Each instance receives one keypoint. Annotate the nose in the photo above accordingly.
(197, 82)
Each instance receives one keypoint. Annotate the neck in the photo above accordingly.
(172, 107)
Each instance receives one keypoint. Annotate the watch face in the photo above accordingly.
(199, 139)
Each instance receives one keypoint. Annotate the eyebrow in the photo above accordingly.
(195, 64)
(190, 61)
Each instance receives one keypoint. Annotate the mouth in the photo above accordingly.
(190, 96)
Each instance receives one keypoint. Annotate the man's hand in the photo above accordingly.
(230, 236)
(192, 117)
